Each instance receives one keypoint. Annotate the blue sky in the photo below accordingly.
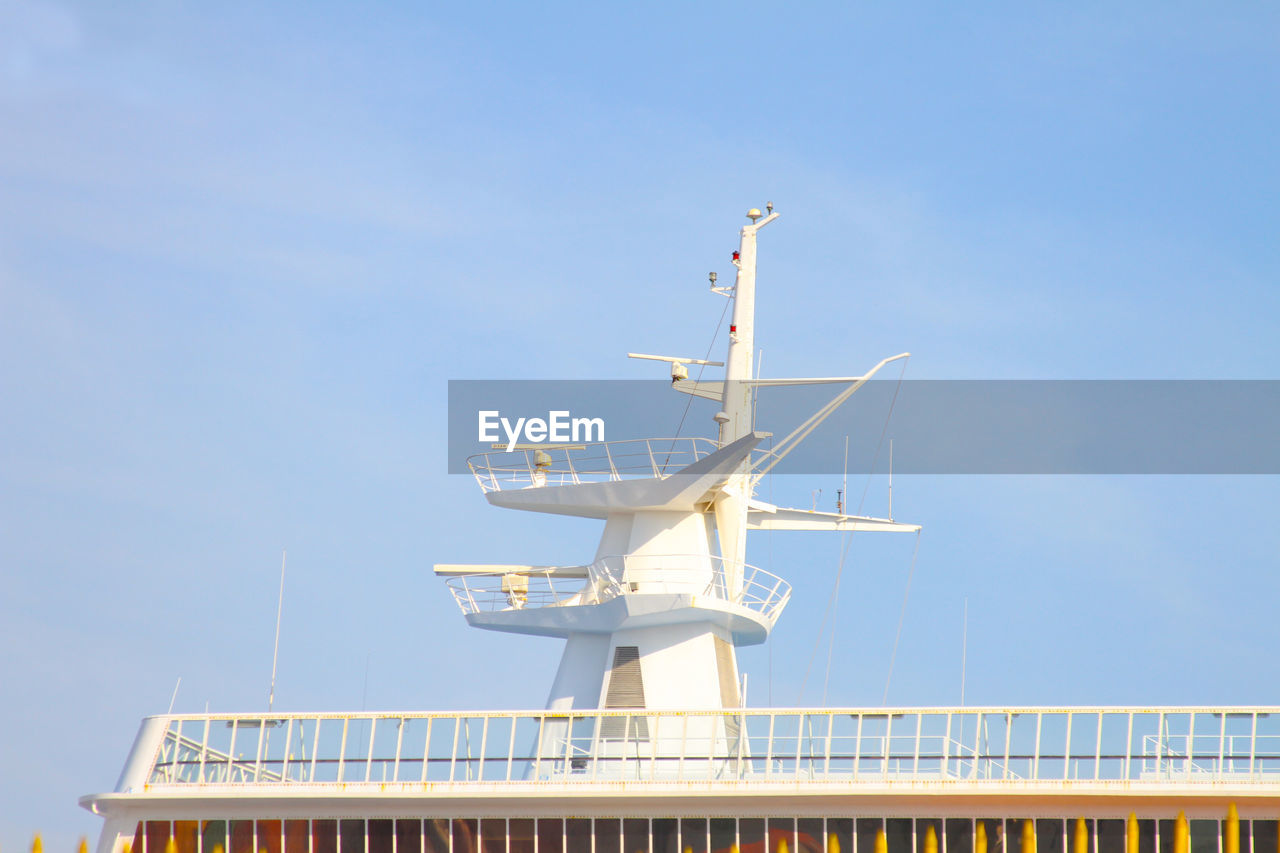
(242, 250)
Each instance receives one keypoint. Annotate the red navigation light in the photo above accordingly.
(733, 329)
(735, 256)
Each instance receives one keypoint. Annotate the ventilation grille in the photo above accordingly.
(626, 690)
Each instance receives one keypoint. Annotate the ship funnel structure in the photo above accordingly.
(653, 619)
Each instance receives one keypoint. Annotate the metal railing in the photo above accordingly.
(568, 464)
(983, 747)
(609, 577)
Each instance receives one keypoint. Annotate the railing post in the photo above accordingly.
(1253, 741)
(613, 470)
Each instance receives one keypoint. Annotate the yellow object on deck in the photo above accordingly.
(833, 843)
(930, 840)
(1080, 841)
(37, 846)
(1231, 830)
(782, 845)
(980, 838)
(1131, 834)
(882, 843)
(171, 846)
(127, 848)
(1181, 834)
(1028, 836)
(84, 844)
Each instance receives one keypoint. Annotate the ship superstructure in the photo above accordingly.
(646, 745)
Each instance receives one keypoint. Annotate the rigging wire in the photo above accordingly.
(701, 368)
(901, 615)
(833, 599)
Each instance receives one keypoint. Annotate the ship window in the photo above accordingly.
(139, 840)
(959, 836)
(664, 836)
(493, 835)
(241, 832)
(268, 836)
(867, 828)
(1146, 836)
(897, 832)
(1110, 836)
(1164, 836)
(519, 835)
(635, 835)
(839, 835)
(724, 834)
(297, 836)
(693, 835)
(213, 837)
(157, 835)
(608, 835)
(1204, 836)
(324, 836)
(809, 835)
(351, 835)
(750, 835)
(380, 832)
(577, 835)
(186, 836)
(1049, 836)
(408, 836)
(994, 830)
(550, 835)
(464, 835)
(782, 830)
(435, 835)
(922, 833)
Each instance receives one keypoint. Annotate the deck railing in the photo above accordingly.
(960, 746)
(571, 464)
(609, 577)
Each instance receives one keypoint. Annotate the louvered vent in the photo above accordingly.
(626, 690)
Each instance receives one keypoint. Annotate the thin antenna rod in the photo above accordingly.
(964, 649)
(890, 479)
(174, 697)
(275, 652)
(844, 483)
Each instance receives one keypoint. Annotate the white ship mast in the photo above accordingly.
(654, 619)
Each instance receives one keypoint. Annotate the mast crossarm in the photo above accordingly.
(800, 433)
(803, 519)
(453, 570)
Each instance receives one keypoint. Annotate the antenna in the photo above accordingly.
(174, 697)
(275, 652)
(890, 479)
(844, 484)
(964, 648)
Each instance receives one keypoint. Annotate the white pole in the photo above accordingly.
(736, 405)
(275, 652)
(891, 479)
(174, 697)
(964, 649)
